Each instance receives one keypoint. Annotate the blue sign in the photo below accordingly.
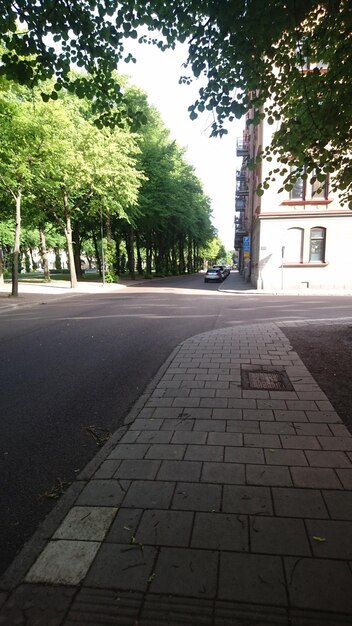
(246, 244)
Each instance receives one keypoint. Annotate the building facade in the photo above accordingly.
(294, 240)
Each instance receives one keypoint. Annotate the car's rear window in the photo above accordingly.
(213, 271)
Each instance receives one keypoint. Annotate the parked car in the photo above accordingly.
(213, 276)
(222, 269)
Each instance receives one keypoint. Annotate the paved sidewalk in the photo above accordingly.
(225, 501)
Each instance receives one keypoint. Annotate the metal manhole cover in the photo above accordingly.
(269, 380)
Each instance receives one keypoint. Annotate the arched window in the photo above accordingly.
(294, 245)
(317, 244)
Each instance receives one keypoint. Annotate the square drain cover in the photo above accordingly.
(260, 378)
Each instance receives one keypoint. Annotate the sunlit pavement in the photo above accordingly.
(224, 499)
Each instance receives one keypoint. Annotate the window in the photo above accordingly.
(298, 190)
(294, 245)
(317, 244)
(302, 190)
(320, 190)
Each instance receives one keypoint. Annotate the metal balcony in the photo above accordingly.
(238, 243)
(240, 204)
(242, 190)
(242, 147)
(241, 175)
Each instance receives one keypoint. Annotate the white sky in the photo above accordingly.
(214, 160)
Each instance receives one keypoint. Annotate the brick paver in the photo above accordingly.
(217, 505)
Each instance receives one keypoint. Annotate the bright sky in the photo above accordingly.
(214, 159)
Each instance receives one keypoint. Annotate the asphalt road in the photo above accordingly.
(73, 368)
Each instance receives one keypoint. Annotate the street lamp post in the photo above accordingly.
(282, 266)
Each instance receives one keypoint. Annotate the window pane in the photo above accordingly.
(319, 190)
(293, 245)
(317, 244)
(297, 190)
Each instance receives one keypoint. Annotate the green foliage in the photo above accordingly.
(249, 59)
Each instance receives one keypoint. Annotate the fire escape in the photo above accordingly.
(242, 192)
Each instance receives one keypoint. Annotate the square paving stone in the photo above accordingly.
(290, 416)
(165, 451)
(345, 476)
(328, 417)
(300, 442)
(312, 429)
(225, 439)
(186, 572)
(252, 578)
(180, 470)
(237, 426)
(285, 457)
(129, 451)
(247, 500)
(258, 414)
(150, 423)
(223, 473)
(138, 468)
(124, 526)
(122, 567)
(319, 584)
(177, 424)
(315, 477)
(330, 539)
(261, 441)
(244, 455)
(63, 562)
(107, 469)
(197, 497)
(86, 523)
(278, 535)
(102, 493)
(336, 443)
(339, 504)
(299, 503)
(272, 475)
(277, 428)
(227, 414)
(204, 453)
(165, 528)
(144, 494)
(323, 458)
(220, 531)
(210, 425)
(154, 436)
(189, 437)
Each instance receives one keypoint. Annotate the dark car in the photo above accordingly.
(213, 276)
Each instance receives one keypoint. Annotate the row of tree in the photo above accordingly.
(64, 173)
(290, 60)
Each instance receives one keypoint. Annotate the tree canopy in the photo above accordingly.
(267, 55)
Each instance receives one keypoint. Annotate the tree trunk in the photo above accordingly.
(130, 247)
(97, 253)
(16, 247)
(181, 255)
(1, 268)
(44, 255)
(77, 249)
(148, 255)
(139, 256)
(68, 235)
